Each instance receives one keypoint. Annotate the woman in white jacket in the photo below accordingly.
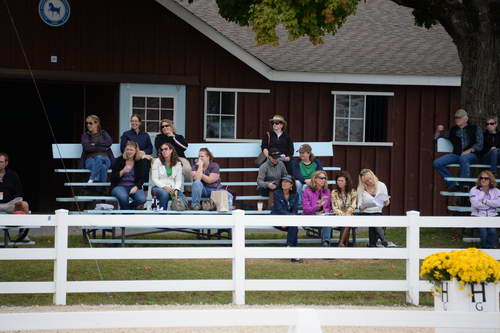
(166, 174)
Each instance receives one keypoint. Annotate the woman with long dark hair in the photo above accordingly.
(344, 201)
(166, 175)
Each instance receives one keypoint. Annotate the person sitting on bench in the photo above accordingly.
(467, 141)
(96, 150)
(270, 174)
(166, 174)
(127, 178)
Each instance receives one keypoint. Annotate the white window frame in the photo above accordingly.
(235, 91)
(131, 111)
(349, 118)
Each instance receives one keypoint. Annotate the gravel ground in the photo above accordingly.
(79, 308)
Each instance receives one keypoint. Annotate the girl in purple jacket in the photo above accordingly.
(316, 201)
(484, 200)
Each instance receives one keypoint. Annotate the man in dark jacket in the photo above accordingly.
(467, 141)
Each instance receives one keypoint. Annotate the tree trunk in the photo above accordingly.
(479, 52)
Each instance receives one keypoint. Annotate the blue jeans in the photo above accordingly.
(492, 158)
(98, 166)
(291, 237)
(122, 194)
(326, 234)
(163, 196)
(488, 238)
(464, 160)
(199, 190)
(300, 190)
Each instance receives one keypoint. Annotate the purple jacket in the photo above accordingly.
(310, 199)
(484, 204)
(103, 146)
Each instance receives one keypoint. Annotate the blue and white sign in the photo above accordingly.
(54, 12)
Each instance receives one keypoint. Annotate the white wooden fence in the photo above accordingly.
(238, 221)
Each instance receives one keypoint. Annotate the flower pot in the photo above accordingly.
(477, 297)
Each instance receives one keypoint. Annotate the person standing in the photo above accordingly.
(96, 150)
(285, 202)
(491, 148)
(168, 135)
(467, 141)
(280, 140)
(484, 200)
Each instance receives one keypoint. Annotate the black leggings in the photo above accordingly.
(375, 233)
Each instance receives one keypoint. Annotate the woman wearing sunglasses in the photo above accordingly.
(168, 135)
(484, 200)
(96, 150)
(279, 139)
(316, 201)
(491, 144)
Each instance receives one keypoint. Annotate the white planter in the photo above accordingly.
(450, 298)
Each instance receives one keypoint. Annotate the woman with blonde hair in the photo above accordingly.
(369, 187)
(166, 175)
(127, 177)
(96, 150)
(168, 135)
(316, 201)
(484, 200)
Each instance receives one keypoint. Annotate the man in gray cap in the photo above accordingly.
(467, 141)
(270, 174)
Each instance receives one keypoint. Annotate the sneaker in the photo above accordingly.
(196, 207)
(325, 243)
(297, 260)
(90, 181)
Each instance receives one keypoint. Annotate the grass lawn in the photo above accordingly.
(82, 270)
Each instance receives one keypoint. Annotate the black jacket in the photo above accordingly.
(455, 140)
(139, 171)
(180, 144)
(490, 140)
(284, 143)
(10, 186)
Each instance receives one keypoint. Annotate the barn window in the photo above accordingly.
(221, 112)
(152, 109)
(360, 116)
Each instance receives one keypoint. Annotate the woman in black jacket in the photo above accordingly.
(279, 139)
(491, 146)
(168, 135)
(127, 178)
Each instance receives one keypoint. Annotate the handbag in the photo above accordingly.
(208, 204)
(221, 200)
(262, 157)
(179, 203)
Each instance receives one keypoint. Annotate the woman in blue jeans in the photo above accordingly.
(206, 179)
(286, 202)
(127, 178)
(96, 150)
(166, 175)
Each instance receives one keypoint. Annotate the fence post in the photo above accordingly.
(238, 257)
(61, 262)
(413, 261)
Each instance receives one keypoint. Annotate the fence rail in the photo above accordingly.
(238, 221)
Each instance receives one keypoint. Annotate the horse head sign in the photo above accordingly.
(54, 12)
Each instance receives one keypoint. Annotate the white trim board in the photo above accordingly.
(273, 75)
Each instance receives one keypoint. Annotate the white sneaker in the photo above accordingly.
(90, 181)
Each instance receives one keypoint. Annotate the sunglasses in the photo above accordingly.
(322, 178)
(165, 126)
(484, 178)
(491, 124)
(163, 149)
(277, 122)
(89, 123)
